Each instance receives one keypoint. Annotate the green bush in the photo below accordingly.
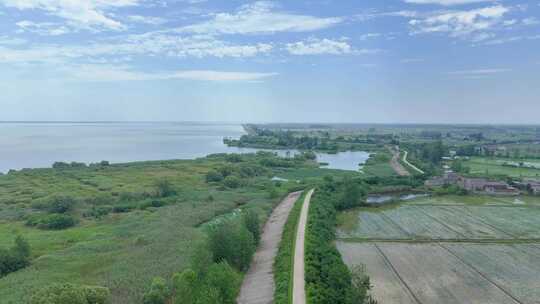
(328, 280)
(61, 204)
(158, 292)
(51, 221)
(15, 258)
(71, 294)
(164, 188)
(232, 242)
(232, 182)
(213, 176)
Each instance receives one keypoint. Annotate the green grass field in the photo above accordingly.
(122, 251)
(494, 166)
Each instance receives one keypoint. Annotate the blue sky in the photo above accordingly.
(442, 61)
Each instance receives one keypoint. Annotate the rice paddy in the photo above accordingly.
(447, 250)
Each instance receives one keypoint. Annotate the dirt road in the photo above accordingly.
(396, 165)
(299, 284)
(411, 165)
(258, 286)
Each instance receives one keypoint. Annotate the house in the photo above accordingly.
(530, 185)
(475, 185)
(482, 185)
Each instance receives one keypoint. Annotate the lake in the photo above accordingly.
(39, 145)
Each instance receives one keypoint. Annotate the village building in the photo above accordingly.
(475, 185)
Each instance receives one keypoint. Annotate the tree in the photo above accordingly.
(360, 283)
(185, 287)
(225, 280)
(232, 242)
(158, 292)
(253, 225)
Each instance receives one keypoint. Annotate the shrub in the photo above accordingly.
(15, 258)
(98, 212)
(71, 294)
(213, 176)
(328, 280)
(158, 292)
(253, 224)
(122, 209)
(283, 264)
(232, 182)
(61, 204)
(164, 188)
(51, 221)
(232, 242)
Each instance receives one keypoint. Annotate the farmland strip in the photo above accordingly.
(481, 274)
(386, 217)
(481, 220)
(440, 222)
(428, 241)
(387, 260)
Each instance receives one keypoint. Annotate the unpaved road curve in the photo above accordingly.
(396, 165)
(299, 283)
(258, 286)
(411, 165)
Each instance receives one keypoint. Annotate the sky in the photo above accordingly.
(369, 61)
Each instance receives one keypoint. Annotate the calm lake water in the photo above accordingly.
(39, 145)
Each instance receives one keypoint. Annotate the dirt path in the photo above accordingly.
(411, 165)
(396, 165)
(258, 286)
(299, 283)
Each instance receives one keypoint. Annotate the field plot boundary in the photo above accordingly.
(389, 219)
(483, 221)
(389, 263)
(441, 222)
(481, 274)
(494, 241)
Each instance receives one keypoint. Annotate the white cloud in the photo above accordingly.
(87, 14)
(479, 72)
(150, 44)
(370, 36)
(530, 21)
(463, 24)
(315, 46)
(510, 39)
(262, 18)
(446, 2)
(6, 40)
(107, 73)
(43, 28)
(412, 60)
(146, 19)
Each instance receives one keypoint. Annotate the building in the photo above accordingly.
(530, 185)
(474, 185)
(482, 185)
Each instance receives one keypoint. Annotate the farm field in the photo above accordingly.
(448, 273)
(443, 222)
(448, 249)
(495, 166)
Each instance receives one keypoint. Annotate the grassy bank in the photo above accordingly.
(284, 263)
(138, 233)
